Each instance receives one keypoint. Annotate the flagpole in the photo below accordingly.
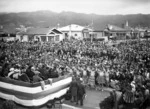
(92, 30)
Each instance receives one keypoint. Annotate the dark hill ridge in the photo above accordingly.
(51, 19)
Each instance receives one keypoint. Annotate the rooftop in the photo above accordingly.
(41, 31)
(72, 27)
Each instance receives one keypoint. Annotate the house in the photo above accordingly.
(40, 34)
(99, 33)
(113, 31)
(8, 33)
(75, 31)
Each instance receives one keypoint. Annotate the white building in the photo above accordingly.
(75, 31)
(40, 34)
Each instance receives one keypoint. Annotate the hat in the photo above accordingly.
(32, 68)
(40, 65)
(36, 72)
(16, 70)
(81, 79)
(11, 69)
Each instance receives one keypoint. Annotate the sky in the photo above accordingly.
(101, 7)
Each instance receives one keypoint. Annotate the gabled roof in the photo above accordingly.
(8, 30)
(115, 28)
(37, 31)
(40, 31)
(56, 31)
(128, 28)
(98, 28)
(73, 27)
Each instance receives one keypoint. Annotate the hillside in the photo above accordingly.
(51, 19)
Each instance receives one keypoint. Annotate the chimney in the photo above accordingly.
(127, 24)
(70, 30)
(1, 27)
(58, 26)
(123, 25)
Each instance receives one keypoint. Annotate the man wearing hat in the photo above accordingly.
(30, 72)
(74, 89)
(36, 77)
(81, 92)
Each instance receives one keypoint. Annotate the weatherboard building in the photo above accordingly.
(75, 31)
(40, 34)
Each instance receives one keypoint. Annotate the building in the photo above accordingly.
(7, 33)
(116, 32)
(75, 31)
(113, 31)
(99, 33)
(40, 34)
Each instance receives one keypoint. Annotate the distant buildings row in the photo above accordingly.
(71, 31)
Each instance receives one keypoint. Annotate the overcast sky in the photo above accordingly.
(102, 7)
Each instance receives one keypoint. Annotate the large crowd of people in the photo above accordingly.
(121, 65)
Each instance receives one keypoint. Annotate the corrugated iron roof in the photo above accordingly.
(41, 31)
(8, 30)
(72, 27)
(56, 31)
(37, 31)
(115, 28)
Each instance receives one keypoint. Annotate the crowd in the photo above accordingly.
(97, 63)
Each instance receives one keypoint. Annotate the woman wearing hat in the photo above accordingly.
(11, 72)
(92, 78)
(101, 79)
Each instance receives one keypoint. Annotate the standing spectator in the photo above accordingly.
(107, 77)
(92, 79)
(73, 89)
(81, 92)
(101, 79)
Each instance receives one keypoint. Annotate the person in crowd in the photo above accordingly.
(92, 78)
(80, 92)
(30, 72)
(101, 79)
(14, 73)
(23, 76)
(74, 89)
(96, 78)
(43, 69)
(139, 97)
(11, 73)
(36, 77)
(0, 70)
(106, 74)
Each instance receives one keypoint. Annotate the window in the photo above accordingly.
(57, 38)
(43, 38)
(75, 34)
(50, 38)
(21, 37)
(31, 37)
(95, 35)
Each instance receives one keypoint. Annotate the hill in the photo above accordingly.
(51, 19)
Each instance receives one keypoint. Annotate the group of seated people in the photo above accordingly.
(30, 73)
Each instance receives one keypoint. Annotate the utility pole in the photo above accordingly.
(92, 34)
(70, 34)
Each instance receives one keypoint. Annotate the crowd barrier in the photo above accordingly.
(34, 94)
